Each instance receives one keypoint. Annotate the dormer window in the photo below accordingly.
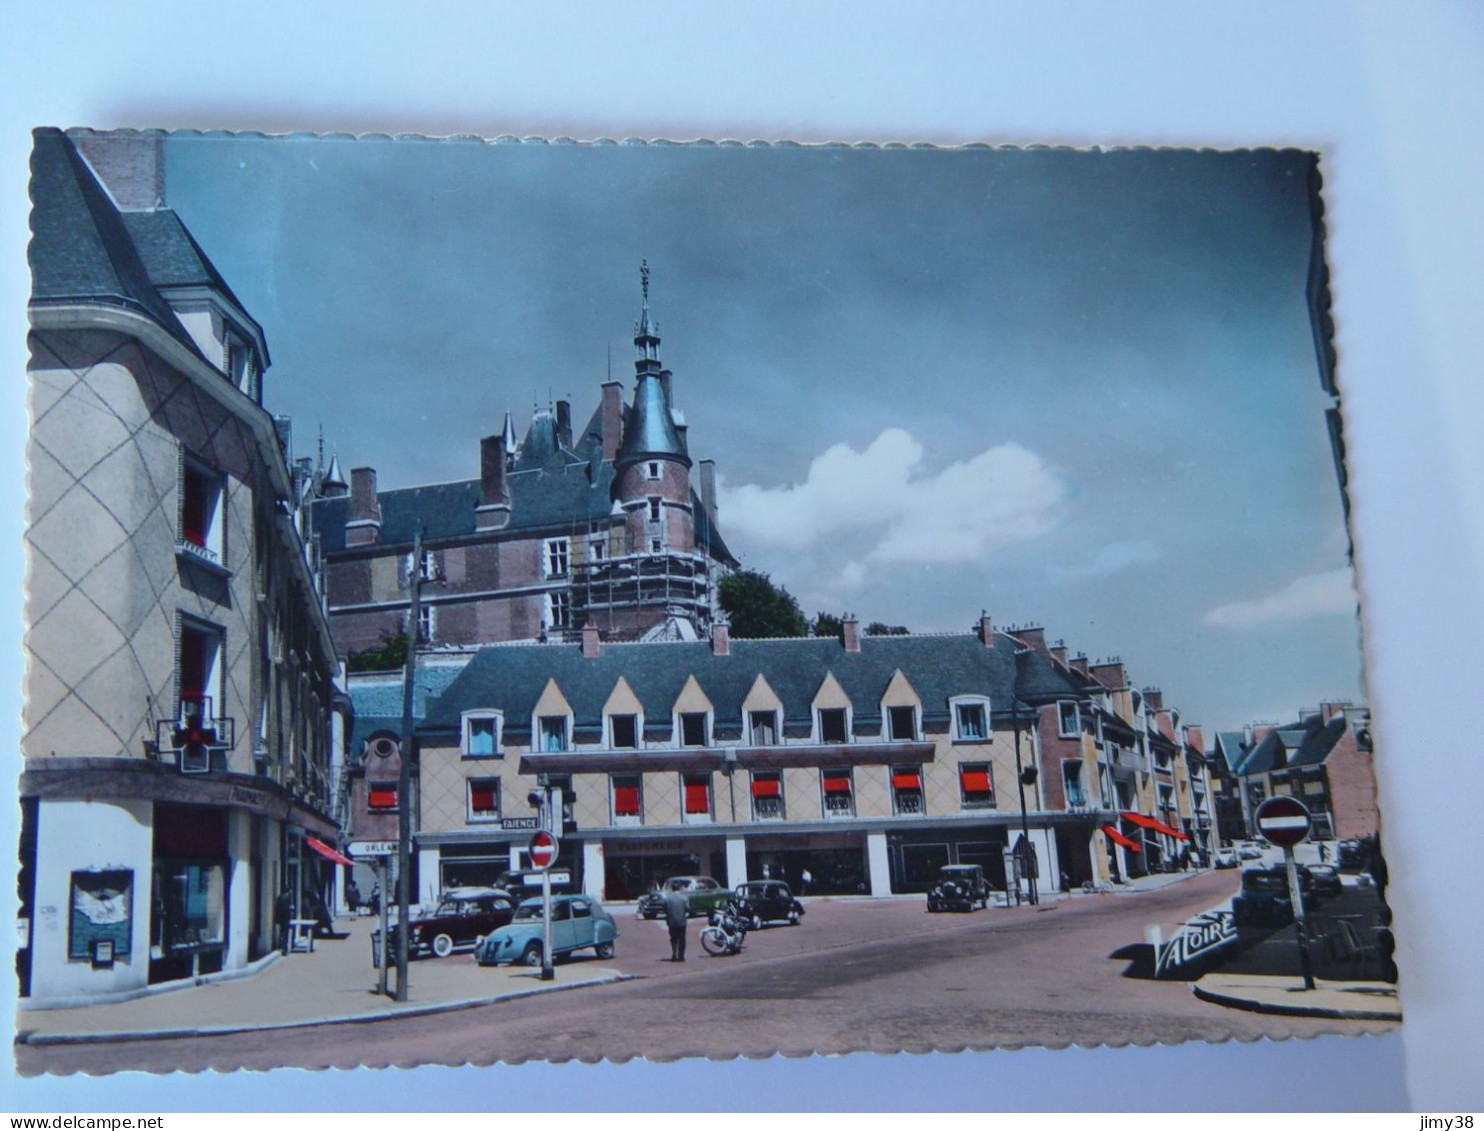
(623, 732)
(695, 728)
(481, 734)
(202, 496)
(833, 725)
(902, 723)
(764, 727)
(552, 732)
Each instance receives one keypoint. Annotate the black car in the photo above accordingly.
(1264, 900)
(959, 888)
(767, 901)
(1326, 881)
(461, 918)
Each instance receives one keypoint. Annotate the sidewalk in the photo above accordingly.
(334, 984)
(1266, 993)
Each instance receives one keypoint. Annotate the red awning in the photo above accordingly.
(626, 801)
(767, 788)
(697, 797)
(1160, 827)
(975, 781)
(327, 852)
(1118, 838)
(837, 784)
(906, 781)
(1152, 825)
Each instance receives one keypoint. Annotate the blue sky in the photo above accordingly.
(1075, 389)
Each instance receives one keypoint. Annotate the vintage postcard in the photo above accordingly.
(787, 598)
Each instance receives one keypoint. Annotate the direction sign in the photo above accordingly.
(543, 849)
(360, 849)
(1283, 821)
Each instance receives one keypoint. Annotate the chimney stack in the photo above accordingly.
(985, 631)
(1154, 698)
(1034, 638)
(131, 167)
(1059, 653)
(721, 637)
(1079, 665)
(364, 527)
(592, 643)
(1110, 674)
(852, 632)
(612, 418)
(493, 511)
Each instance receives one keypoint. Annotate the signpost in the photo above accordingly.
(379, 852)
(1283, 821)
(543, 849)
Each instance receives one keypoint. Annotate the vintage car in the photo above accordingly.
(461, 916)
(1226, 858)
(1264, 900)
(1326, 881)
(577, 922)
(959, 888)
(767, 901)
(703, 895)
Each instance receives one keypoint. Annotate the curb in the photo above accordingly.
(30, 1037)
(1332, 1013)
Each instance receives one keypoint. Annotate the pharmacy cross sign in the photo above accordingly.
(543, 849)
(1283, 821)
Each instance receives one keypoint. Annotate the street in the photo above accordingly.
(855, 976)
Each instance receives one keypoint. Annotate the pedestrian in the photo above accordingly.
(353, 897)
(676, 918)
(283, 911)
(805, 879)
(1323, 853)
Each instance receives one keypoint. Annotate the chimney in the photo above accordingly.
(852, 632)
(721, 637)
(612, 418)
(985, 631)
(1248, 734)
(130, 166)
(564, 424)
(493, 511)
(1079, 665)
(592, 643)
(364, 527)
(1059, 653)
(1110, 674)
(708, 490)
(1154, 698)
(1033, 638)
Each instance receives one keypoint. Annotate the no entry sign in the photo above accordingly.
(1283, 821)
(543, 849)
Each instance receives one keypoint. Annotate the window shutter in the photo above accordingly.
(626, 801)
(697, 797)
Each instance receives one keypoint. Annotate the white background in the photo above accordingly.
(1390, 94)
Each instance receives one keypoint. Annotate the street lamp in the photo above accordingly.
(1025, 775)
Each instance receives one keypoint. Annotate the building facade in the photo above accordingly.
(607, 527)
(180, 697)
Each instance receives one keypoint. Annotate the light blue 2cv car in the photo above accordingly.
(577, 922)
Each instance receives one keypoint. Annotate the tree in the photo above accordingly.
(827, 624)
(758, 608)
(876, 628)
(389, 657)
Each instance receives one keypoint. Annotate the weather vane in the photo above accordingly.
(644, 277)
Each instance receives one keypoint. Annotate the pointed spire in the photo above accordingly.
(334, 480)
(647, 329)
(508, 432)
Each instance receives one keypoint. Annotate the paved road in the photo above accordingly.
(856, 976)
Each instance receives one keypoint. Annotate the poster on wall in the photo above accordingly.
(102, 913)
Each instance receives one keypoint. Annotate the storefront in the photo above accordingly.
(835, 862)
(189, 897)
(916, 856)
(633, 867)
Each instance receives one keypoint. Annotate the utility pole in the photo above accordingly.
(404, 773)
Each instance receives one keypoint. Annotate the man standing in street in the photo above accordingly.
(676, 909)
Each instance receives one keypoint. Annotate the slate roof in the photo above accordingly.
(650, 429)
(378, 706)
(1319, 742)
(512, 678)
(81, 248)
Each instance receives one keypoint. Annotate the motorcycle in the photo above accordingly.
(726, 933)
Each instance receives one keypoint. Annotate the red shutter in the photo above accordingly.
(626, 801)
(383, 799)
(834, 784)
(975, 781)
(481, 798)
(906, 781)
(697, 797)
(766, 788)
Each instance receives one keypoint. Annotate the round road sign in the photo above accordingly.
(1283, 821)
(543, 849)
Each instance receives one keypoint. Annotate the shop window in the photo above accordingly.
(482, 735)
(1068, 719)
(971, 722)
(190, 907)
(696, 789)
(553, 732)
(623, 731)
(906, 790)
(902, 722)
(976, 785)
(693, 728)
(767, 796)
(557, 557)
(381, 796)
(484, 799)
(764, 727)
(839, 794)
(628, 799)
(1071, 776)
(833, 724)
(202, 494)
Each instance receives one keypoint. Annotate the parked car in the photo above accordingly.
(959, 888)
(703, 895)
(1264, 900)
(461, 916)
(577, 922)
(1227, 858)
(767, 901)
(1326, 881)
(1247, 850)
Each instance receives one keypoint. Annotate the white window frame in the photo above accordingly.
(473, 818)
(896, 795)
(429, 571)
(213, 679)
(707, 817)
(960, 701)
(652, 470)
(427, 623)
(1062, 727)
(627, 820)
(753, 800)
(558, 610)
(680, 729)
(752, 729)
(654, 512)
(824, 797)
(1081, 784)
(915, 729)
(597, 548)
(556, 557)
(638, 718)
(994, 792)
(467, 719)
(819, 726)
(538, 734)
(213, 545)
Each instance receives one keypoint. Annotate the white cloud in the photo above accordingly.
(1112, 558)
(1312, 595)
(1001, 497)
